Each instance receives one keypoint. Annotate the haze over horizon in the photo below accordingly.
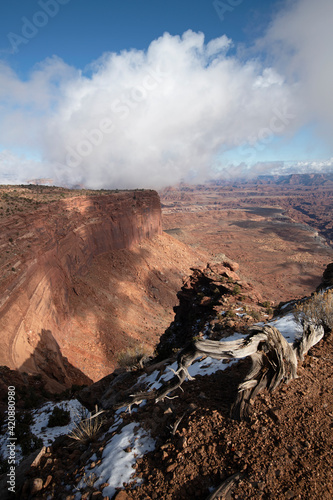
(121, 95)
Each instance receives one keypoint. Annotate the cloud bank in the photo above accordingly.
(301, 40)
(153, 118)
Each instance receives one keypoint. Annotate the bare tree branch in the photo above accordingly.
(274, 361)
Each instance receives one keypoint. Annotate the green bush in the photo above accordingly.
(266, 304)
(230, 314)
(59, 417)
(255, 315)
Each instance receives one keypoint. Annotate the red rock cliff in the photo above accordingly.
(42, 252)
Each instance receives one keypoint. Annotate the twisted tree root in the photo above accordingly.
(274, 361)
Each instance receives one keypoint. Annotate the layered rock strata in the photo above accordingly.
(43, 251)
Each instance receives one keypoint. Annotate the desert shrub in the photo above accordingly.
(255, 314)
(266, 304)
(132, 356)
(59, 417)
(317, 310)
(230, 314)
(236, 290)
(87, 426)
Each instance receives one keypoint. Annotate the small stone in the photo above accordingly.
(104, 485)
(49, 461)
(122, 495)
(36, 462)
(37, 485)
(48, 480)
(171, 467)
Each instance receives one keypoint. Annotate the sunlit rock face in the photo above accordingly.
(44, 253)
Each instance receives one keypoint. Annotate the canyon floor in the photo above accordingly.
(279, 234)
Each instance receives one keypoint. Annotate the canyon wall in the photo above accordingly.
(42, 253)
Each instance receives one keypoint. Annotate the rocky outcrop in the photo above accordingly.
(210, 297)
(327, 279)
(43, 251)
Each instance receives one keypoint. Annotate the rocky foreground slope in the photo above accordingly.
(187, 446)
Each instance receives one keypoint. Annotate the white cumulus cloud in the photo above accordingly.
(151, 118)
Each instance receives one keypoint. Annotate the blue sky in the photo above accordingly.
(144, 94)
(81, 30)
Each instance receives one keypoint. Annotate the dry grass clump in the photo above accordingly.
(88, 426)
(133, 357)
(317, 310)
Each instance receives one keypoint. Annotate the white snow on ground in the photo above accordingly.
(41, 418)
(289, 327)
(120, 455)
(39, 426)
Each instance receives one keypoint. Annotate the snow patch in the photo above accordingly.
(41, 418)
(120, 455)
(289, 327)
(39, 426)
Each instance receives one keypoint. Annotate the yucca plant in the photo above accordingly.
(88, 425)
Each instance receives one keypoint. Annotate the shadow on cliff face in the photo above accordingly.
(125, 301)
(100, 276)
(55, 370)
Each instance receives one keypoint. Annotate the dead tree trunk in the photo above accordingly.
(274, 361)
